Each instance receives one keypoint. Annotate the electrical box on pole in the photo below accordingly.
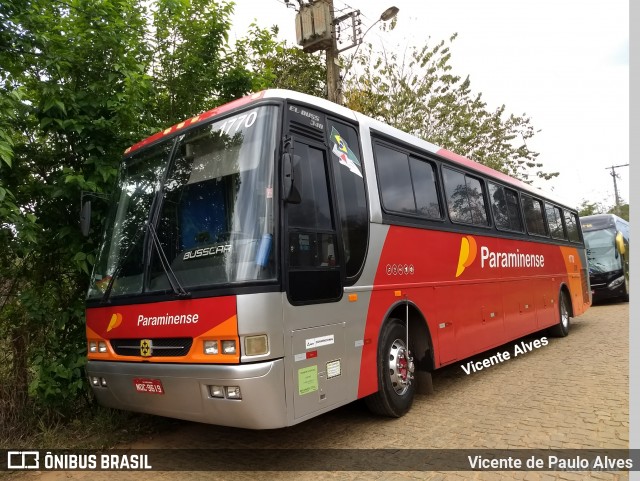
(314, 26)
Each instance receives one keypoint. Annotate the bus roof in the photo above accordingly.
(195, 120)
(600, 221)
(363, 120)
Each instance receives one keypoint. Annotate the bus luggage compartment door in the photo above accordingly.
(318, 368)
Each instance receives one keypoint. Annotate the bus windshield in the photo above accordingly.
(211, 202)
(601, 251)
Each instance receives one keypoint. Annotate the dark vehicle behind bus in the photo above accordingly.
(606, 237)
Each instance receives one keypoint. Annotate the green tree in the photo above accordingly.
(190, 67)
(73, 97)
(590, 208)
(418, 93)
(195, 68)
(80, 81)
(276, 64)
(620, 211)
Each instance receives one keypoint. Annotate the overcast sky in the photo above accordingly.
(563, 63)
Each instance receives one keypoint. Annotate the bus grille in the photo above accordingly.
(161, 347)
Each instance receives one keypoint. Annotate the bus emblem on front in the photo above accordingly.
(146, 346)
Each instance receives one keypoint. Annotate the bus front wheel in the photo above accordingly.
(396, 386)
(562, 328)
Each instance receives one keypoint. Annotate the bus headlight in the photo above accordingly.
(228, 347)
(616, 283)
(216, 391)
(256, 345)
(211, 347)
(93, 346)
(233, 392)
(102, 347)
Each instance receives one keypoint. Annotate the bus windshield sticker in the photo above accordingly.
(345, 155)
(307, 380)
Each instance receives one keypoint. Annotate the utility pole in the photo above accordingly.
(333, 68)
(615, 183)
(318, 29)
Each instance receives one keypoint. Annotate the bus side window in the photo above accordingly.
(624, 228)
(533, 216)
(465, 198)
(425, 191)
(348, 176)
(395, 180)
(504, 204)
(407, 183)
(554, 219)
(572, 226)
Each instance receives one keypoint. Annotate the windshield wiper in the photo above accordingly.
(166, 266)
(171, 276)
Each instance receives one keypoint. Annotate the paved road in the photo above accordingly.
(571, 393)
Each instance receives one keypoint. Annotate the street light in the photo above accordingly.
(388, 14)
(385, 16)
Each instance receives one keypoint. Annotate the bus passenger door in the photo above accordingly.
(313, 270)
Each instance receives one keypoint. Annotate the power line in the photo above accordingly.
(347, 6)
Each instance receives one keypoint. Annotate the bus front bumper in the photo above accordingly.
(185, 391)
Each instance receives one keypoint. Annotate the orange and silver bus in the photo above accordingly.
(279, 256)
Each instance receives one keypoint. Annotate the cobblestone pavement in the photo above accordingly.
(572, 393)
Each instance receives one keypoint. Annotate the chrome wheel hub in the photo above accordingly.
(564, 315)
(401, 367)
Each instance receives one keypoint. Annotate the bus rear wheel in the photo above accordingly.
(396, 385)
(562, 328)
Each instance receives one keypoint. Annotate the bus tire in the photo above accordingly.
(562, 328)
(394, 396)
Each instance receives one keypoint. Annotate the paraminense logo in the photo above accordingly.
(115, 321)
(468, 251)
(494, 259)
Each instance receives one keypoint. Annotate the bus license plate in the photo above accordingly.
(152, 386)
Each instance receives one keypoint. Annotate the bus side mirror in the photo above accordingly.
(291, 180)
(620, 243)
(85, 210)
(85, 218)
